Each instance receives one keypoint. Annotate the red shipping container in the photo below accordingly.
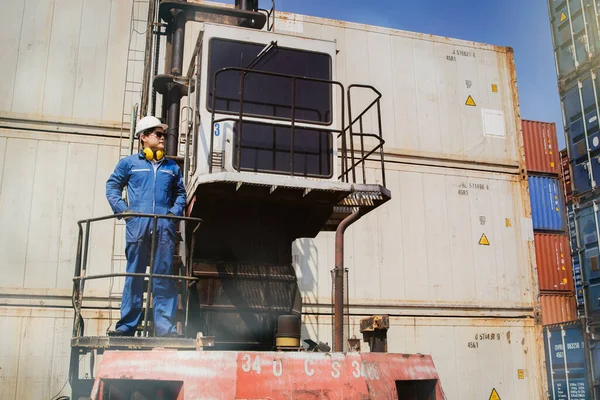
(553, 258)
(541, 147)
(566, 176)
(557, 308)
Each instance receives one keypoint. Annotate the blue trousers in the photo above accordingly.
(164, 292)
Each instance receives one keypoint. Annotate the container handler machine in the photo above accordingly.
(273, 151)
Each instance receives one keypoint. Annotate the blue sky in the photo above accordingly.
(523, 25)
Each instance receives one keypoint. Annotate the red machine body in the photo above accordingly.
(184, 375)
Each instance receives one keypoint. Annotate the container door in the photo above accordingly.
(546, 204)
(566, 363)
(581, 177)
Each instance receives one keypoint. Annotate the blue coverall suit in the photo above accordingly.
(151, 191)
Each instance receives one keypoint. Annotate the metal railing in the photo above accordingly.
(346, 134)
(81, 263)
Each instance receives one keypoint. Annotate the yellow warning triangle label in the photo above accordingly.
(484, 240)
(563, 16)
(494, 395)
(470, 101)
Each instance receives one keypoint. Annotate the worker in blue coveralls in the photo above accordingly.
(154, 186)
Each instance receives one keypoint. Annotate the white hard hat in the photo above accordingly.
(148, 123)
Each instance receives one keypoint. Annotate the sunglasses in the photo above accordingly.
(157, 133)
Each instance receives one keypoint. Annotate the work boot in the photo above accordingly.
(119, 333)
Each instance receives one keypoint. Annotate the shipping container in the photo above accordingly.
(541, 147)
(558, 308)
(575, 33)
(450, 100)
(553, 259)
(567, 362)
(566, 176)
(547, 206)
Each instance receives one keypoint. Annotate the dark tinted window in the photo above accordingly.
(265, 95)
(266, 148)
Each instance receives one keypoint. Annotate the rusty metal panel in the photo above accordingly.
(541, 147)
(553, 260)
(558, 308)
(432, 85)
(447, 237)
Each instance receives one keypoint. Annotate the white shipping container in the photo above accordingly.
(448, 237)
(442, 98)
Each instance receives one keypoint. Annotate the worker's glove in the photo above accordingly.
(128, 214)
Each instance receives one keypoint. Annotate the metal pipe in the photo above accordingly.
(174, 100)
(338, 305)
(247, 5)
(292, 138)
(155, 67)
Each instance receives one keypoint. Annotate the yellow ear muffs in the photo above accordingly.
(151, 155)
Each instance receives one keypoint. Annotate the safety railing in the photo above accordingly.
(346, 135)
(81, 263)
(364, 155)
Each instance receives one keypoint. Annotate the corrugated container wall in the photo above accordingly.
(566, 362)
(547, 207)
(557, 308)
(553, 258)
(575, 32)
(580, 96)
(541, 147)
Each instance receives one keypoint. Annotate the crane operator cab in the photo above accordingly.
(275, 141)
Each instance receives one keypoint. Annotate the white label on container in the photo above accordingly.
(595, 141)
(493, 123)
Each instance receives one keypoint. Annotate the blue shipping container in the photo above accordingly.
(566, 362)
(547, 207)
(581, 117)
(575, 33)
